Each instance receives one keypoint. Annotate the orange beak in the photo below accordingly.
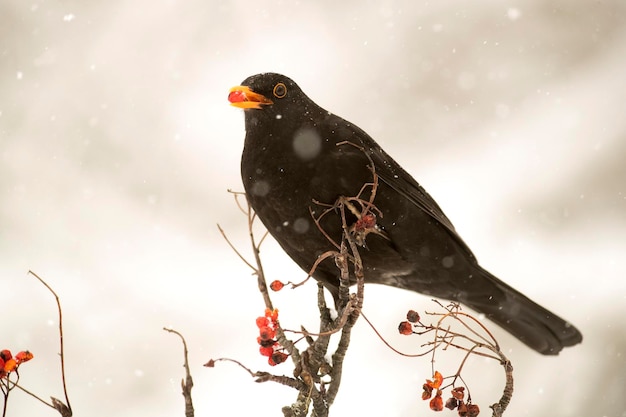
(244, 98)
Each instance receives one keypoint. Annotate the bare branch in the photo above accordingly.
(234, 248)
(64, 409)
(187, 383)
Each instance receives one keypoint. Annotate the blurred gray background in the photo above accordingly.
(117, 146)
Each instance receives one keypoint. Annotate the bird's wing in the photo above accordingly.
(392, 174)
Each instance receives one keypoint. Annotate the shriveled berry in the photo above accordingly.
(458, 392)
(277, 358)
(472, 410)
(428, 391)
(436, 404)
(437, 379)
(452, 403)
(413, 316)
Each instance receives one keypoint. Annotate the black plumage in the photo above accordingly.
(291, 159)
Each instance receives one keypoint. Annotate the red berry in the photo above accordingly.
(23, 356)
(405, 328)
(276, 285)
(266, 351)
(5, 354)
(236, 96)
(262, 322)
(266, 333)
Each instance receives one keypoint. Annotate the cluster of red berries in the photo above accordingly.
(9, 363)
(455, 401)
(267, 332)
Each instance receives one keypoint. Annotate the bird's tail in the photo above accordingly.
(532, 324)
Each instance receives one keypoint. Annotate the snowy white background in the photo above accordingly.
(117, 145)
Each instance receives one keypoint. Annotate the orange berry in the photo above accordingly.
(10, 365)
(271, 314)
(437, 379)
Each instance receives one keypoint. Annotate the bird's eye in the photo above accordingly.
(280, 90)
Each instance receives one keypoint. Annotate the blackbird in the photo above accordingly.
(298, 159)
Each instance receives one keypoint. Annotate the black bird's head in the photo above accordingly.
(269, 96)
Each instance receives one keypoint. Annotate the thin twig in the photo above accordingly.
(393, 349)
(211, 364)
(62, 354)
(187, 383)
(257, 258)
(237, 194)
(234, 248)
(15, 385)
